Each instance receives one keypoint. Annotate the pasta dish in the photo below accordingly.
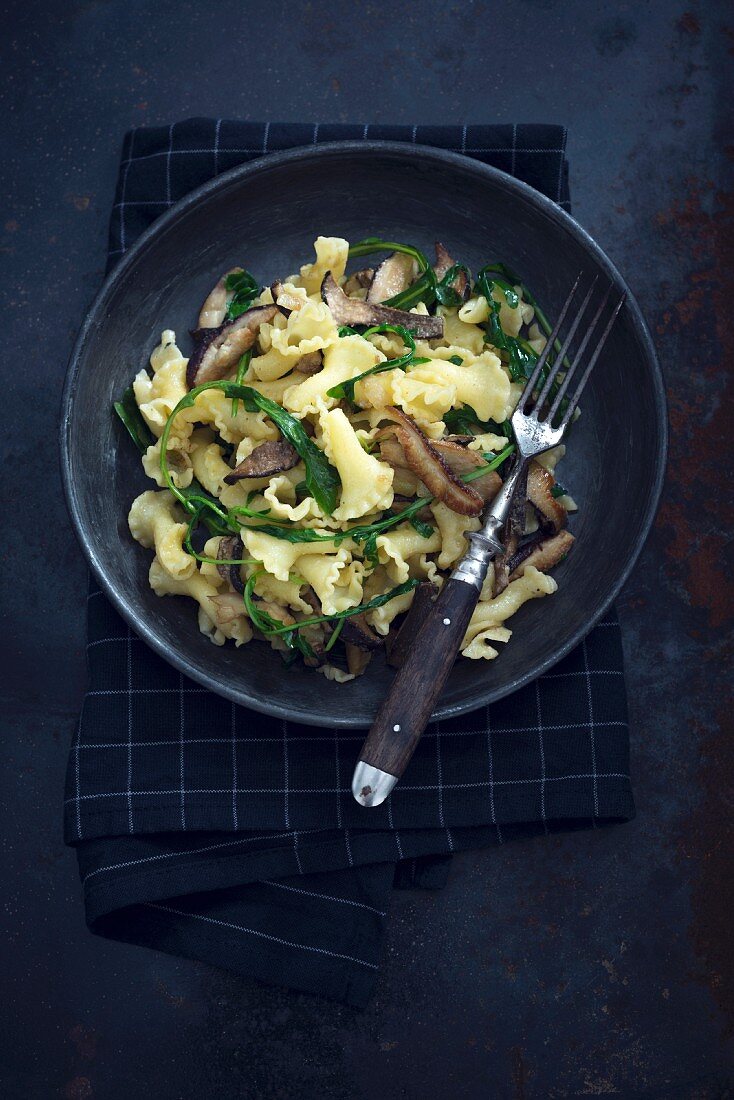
(320, 456)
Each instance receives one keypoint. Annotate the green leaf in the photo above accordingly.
(377, 601)
(422, 528)
(245, 290)
(558, 490)
(241, 372)
(322, 479)
(131, 416)
(445, 292)
(493, 465)
(456, 360)
(422, 290)
(345, 390)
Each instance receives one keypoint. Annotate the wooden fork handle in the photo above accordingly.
(407, 708)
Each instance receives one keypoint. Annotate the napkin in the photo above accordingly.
(216, 833)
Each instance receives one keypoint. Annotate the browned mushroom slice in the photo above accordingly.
(311, 363)
(357, 631)
(444, 262)
(544, 555)
(268, 459)
(399, 642)
(351, 311)
(357, 659)
(214, 308)
(462, 461)
(551, 513)
(394, 275)
(428, 465)
(218, 349)
(359, 280)
(405, 483)
(231, 548)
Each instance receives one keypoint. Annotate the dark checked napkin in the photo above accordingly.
(209, 831)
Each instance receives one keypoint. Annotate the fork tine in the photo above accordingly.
(563, 351)
(585, 376)
(577, 358)
(542, 358)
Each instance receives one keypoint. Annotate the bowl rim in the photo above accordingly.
(231, 178)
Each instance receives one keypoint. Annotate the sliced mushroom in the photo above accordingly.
(394, 275)
(352, 311)
(357, 659)
(231, 547)
(399, 642)
(213, 311)
(551, 513)
(430, 467)
(359, 280)
(543, 555)
(272, 457)
(444, 262)
(217, 350)
(405, 483)
(311, 363)
(462, 461)
(357, 631)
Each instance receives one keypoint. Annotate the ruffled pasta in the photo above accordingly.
(296, 556)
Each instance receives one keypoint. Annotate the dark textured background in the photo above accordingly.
(591, 964)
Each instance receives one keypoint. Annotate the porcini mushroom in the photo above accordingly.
(273, 457)
(393, 275)
(217, 350)
(551, 514)
(424, 460)
(352, 311)
(231, 548)
(542, 555)
(214, 309)
(444, 263)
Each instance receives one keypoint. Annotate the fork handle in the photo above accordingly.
(407, 708)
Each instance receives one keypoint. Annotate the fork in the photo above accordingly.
(407, 708)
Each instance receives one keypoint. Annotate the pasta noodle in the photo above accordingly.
(289, 454)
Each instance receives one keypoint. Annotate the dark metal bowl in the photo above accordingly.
(265, 215)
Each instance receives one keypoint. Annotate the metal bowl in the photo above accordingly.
(265, 215)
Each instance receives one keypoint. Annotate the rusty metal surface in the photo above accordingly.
(590, 964)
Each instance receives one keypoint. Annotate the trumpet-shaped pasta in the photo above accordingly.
(381, 618)
(480, 646)
(179, 464)
(154, 521)
(366, 482)
(349, 357)
(530, 586)
(403, 542)
(158, 396)
(461, 334)
(452, 528)
(479, 381)
(332, 254)
(336, 581)
(331, 525)
(310, 328)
